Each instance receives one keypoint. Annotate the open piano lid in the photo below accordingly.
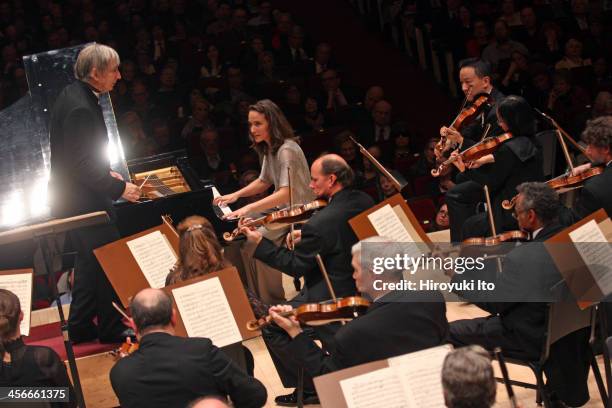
(25, 152)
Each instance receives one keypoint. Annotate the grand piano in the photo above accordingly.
(172, 187)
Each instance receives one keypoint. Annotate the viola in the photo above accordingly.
(561, 182)
(316, 314)
(297, 213)
(475, 152)
(465, 117)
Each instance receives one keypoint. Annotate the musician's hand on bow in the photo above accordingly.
(290, 324)
(131, 192)
(227, 199)
(252, 234)
(581, 169)
(297, 236)
(116, 175)
(451, 134)
(459, 164)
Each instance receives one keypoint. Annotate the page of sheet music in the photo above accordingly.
(596, 253)
(376, 389)
(206, 312)
(21, 285)
(387, 224)
(154, 256)
(420, 375)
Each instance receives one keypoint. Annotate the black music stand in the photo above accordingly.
(41, 234)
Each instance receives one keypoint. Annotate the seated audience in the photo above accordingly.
(27, 366)
(171, 371)
(441, 221)
(468, 379)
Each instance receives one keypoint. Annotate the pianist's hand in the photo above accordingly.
(226, 199)
(290, 324)
(116, 175)
(131, 192)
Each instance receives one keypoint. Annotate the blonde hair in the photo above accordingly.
(200, 252)
(96, 56)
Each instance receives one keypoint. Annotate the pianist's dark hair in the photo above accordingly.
(199, 250)
(279, 127)
(10, 309)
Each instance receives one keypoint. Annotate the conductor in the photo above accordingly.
(81, 182)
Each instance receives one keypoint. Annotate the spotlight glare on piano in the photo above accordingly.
(39, 205)
(13, 209)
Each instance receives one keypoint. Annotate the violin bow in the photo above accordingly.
(492, 222)
(564, 133)
(327, 281)
(465, 100)
(291, 228)
(121, 311)
(326, 276)
(379, 166)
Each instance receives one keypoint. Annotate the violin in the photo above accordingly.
(561, 182)
(507, 236)
(297, 213)
(475, 152)
(316, 314)
(463, 118)
(126, 348)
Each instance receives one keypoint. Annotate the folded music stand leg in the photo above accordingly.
(41, 242)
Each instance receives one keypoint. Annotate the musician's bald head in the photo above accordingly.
(151, 309)
(330, 173)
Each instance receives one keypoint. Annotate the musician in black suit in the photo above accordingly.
(597, 191)
(326, 233)
(171, 371)
(462, 198)
(515, 161)
(81, 182)
(397, 322)
(519, 302)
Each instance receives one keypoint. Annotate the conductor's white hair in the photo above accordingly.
(97, 56)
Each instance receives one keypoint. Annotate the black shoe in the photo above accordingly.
(120, 338)
(290, 400)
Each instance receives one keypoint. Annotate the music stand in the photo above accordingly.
(40, 234)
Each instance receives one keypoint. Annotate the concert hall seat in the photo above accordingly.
(50, 335)
(564, 319)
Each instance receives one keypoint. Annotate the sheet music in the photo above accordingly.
(420, 375)
(206, 312)
(154, 256)
(596, 253)
(376, 389)
(387, 224)
(21, 285)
